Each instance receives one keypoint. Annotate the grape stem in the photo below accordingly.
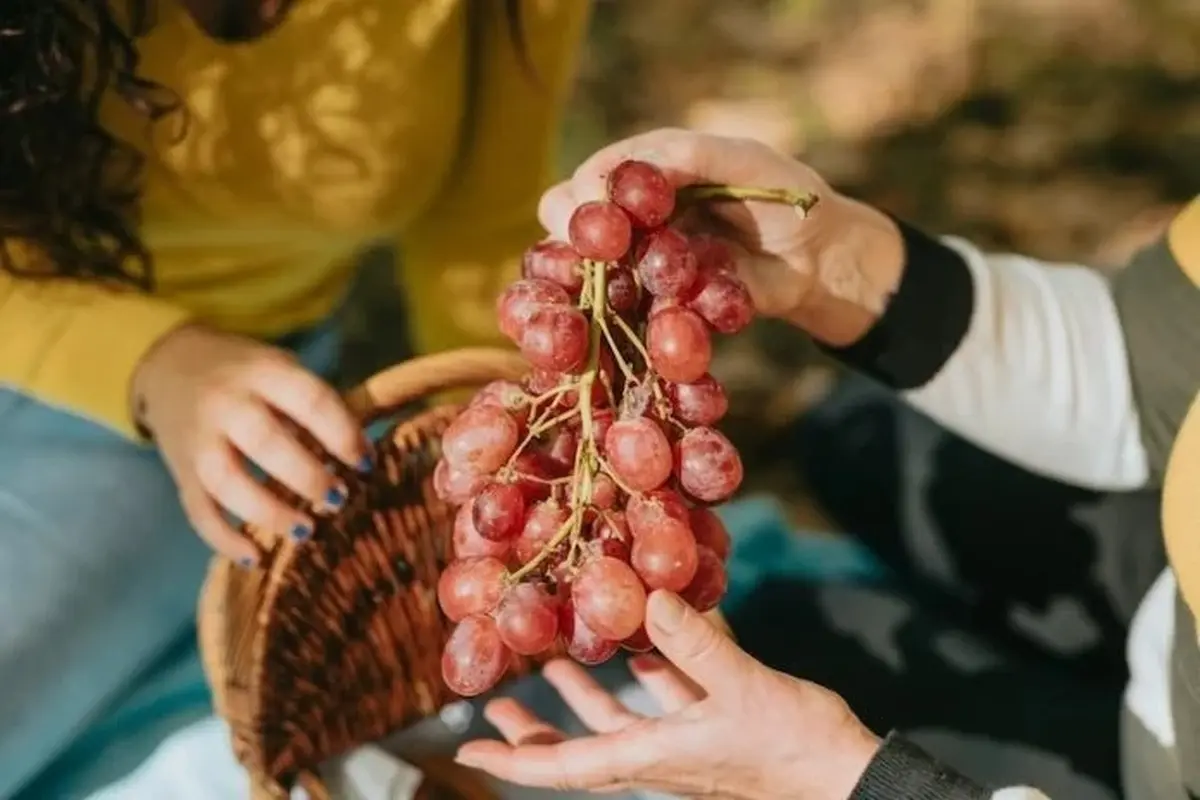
(587, 456)
(633, 338)
(704, 192)
(626, 370)
(608, 470)
(542, 426)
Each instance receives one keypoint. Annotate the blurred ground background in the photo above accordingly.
(1067, 129)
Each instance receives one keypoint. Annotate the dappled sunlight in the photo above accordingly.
(332, 115)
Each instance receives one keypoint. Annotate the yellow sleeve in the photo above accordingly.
(459, 255)
(75, 345)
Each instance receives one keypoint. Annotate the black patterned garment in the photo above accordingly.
(1093, 385)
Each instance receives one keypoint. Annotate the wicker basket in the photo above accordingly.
(336, 641)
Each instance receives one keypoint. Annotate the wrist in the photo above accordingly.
(856, 256)
(850, 759)
(146, 375)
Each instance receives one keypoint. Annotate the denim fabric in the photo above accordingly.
(99, 572)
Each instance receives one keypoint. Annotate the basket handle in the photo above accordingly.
(387, 391)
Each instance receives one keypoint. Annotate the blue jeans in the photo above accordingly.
(99, 569)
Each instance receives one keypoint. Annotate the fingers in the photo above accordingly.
(518, 725)
(223, 476)
(685, 156)
(314, 405)
(594, 706)
(671, 149)
(593, 762)
(264, 439)
(212, 527)
(667, 685)
(696, 646)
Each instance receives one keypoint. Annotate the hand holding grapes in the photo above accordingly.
(732, 727)
(827, 268)
(208, 399)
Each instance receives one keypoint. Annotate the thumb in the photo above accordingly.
(693, 644)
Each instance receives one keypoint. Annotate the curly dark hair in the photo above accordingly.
(68, 187)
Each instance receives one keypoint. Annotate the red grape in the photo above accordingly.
(661, 304)
(499, 511)
(543, 521)
(701, 402)
(622, 290)
(556, 262)
(612, 525)
(528, 619)
(467, 543)
(724, 302)
(471, 586)
(639, 453)
(645, 511)
(533, 469)
(709, 584)
(518, 303)
(560, 448)
(679, 345)
(710, 532)
(481, 439)
(609, 597)
(604, 491)
(507, 395)
(456, 485)
(709, 467)
(600, 230)
(639, 642)
(612, 548)
(583, 644)
(713, 254)
(475, 657)
(540, 381)
(665, 556)
(643, 191)
(666, 263)
(555, 338)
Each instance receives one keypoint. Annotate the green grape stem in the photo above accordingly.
(710, 192)
(587, 456)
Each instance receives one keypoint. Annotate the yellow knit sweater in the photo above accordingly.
(337, 130)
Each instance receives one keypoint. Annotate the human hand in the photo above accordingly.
(829, 272)
(732, 727)
(210, 398)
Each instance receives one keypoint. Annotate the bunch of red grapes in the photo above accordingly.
(588, 484)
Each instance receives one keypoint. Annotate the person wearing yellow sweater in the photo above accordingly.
(184, 188)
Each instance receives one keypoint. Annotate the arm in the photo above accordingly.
(464, 249)
(1026, 359)
(76, 345)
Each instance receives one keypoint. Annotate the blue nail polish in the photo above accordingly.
(301, 531)
(335, 498)
(366, 463)
(245, 562)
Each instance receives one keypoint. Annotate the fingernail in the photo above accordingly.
(465, 759)
(246, 562)
(667, 611)
(366, 463)
(301, 531)
(335, 498)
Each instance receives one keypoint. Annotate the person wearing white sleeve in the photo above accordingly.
(1046, 365)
